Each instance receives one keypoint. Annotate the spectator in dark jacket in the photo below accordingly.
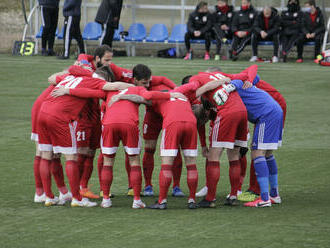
(291, 22)
(242, 28)
(49, 18)
(266, 28)
(313, 28)
(72, 15)
(199, 27)
(108, 16)
(221, 24)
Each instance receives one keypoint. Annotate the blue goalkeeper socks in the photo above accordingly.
(262, 173)
(273, 176)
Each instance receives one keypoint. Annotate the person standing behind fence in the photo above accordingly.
(72, 15)
(108, 16)
(199, 25)
(49, 18)
(291, 22)
(242, 28)
(313, 28)
(266, 28)
(221, 19)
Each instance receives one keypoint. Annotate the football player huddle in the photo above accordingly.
(68, 119)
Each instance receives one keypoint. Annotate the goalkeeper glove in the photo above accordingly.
(221, 96)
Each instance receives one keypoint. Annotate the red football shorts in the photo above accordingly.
(229, 129)
(152, 125)
(114, 133)
(56, 135)
(179, 134)
(34, 120)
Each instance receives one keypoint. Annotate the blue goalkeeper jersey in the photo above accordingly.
(258, 103)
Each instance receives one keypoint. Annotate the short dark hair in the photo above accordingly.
(225, 1)
(201, 4)
(185, 80)
(141, 71)
(106, 72)
(311, 2)
(101, 50)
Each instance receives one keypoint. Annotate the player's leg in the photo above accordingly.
(273, 177)
(212, 176)
(234, 175)
(39, 195)
(168, 151)
(109, 146)
(213, 163)
(57, 172)
(130, 191)
(152, 125)
(189, 148)
(148, 165)
(106, 178)
(267, 135)
(46, 23)
(46, 148)
(132, 142)
(177, 171)
(52, 34)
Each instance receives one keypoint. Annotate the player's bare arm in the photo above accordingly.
(113, 86)
(211, 86)
(52, 78)
(130, 97)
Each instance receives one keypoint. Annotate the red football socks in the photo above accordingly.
(81, 162)
(136, 180)
(128, 170)
(148, 165)
(234, 176)
(37, 177)
(87, 173)
(57, 172)
(106, 180)
(165, 178)
(192, 180)
(177, 170)
(72, 172)
(46, 177)
(212, 177)
(99, 168)
(243, 162)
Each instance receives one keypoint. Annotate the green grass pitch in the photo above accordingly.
(303, 220)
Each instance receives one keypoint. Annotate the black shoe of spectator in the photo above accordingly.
(284, 56)
(51, 53)
(63, 57)
(44, 53)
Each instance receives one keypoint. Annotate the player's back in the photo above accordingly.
(122, 111)
(258, 102)
(273, 92)
(234, 102)
(68, 107)
(174, 110)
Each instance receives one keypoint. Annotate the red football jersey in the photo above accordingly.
(234, 102)
(174, 110)
(125, 111)
(68, 107)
